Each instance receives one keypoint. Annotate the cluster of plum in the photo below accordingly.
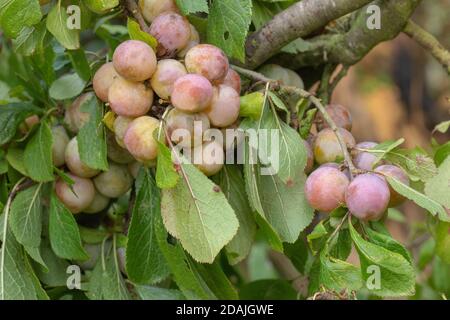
(330, 186)
(194, 84)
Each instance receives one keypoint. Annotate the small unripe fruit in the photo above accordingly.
(209, 158)
(60, 142)
(130, 99)
(172, 31)
(186, 129)
(194, 40)
(167, 72)
(103, 79)
(327, 147)
(115, 152)
(325, 189)
(339, 114)
(28, 124)
(134, 168)
(152, 8)
(139, 139)
(233, 80)
(208, 61)
(285, 76)
(134, 60)
(192, 93)
(97, 205)
(115, 182)
(309, 158)
(74, 118)
(74, 163)
(367, 197)
(364, 160)
(398, 174)
(120, 128)
(224, 108)
(77, 197)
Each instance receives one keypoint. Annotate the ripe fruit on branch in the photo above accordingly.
(152, 8)
(224, 108)
(327, 148)
(115, 152)
(167, 72)
(232, 79)
(77, 197)
(120, 128)
(74, 118)
(339, 114)
(115, 182)
(208, 61)
(325, 189)
(364, 160)
(103, 79)
(134, 168)
(172, 31)
(28, 124)
(60, 142)
(186, 129)
(134, 60)
(130, 99)
(398, 174)
(194, 40)
(74, 163)
(139, 139)
(285, 76)
(192, 93)
(209, 158)
(97, 205)
(367, 197)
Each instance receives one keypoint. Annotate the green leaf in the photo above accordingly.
(91, 137)
(396, 274)
(416, 163)
(11, 116)
(136, 33)
(166, 175)
(16, 14)
(66, 87)
(438, 187)
(80, 63)
(214, 277)
(30, 39)
(145, 263)
(56, 275)
(155, 293)
(38, 155)
(389, 243)
(65, 237)
(113, 284)
(420, 199)
(15, 159)
(297, 252)
(341, 246)
(192, 6)
(285, 151)
(442, 127)
(338, 275)
(268, 290)
(252, 105)
(442, 153)
(57, 25)
(26, 216)
(182, 267)
(232, 184)
(228, 24)
(16, 282)
(443, 241)
(101, 6)
(35, 254)
(197, 213)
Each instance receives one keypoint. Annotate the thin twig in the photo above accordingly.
(307, 95)
(135, 11)
(428, 42)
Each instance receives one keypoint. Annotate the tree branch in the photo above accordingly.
(135, 11)
(428, 42)
(351, 47)
(297, 21)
